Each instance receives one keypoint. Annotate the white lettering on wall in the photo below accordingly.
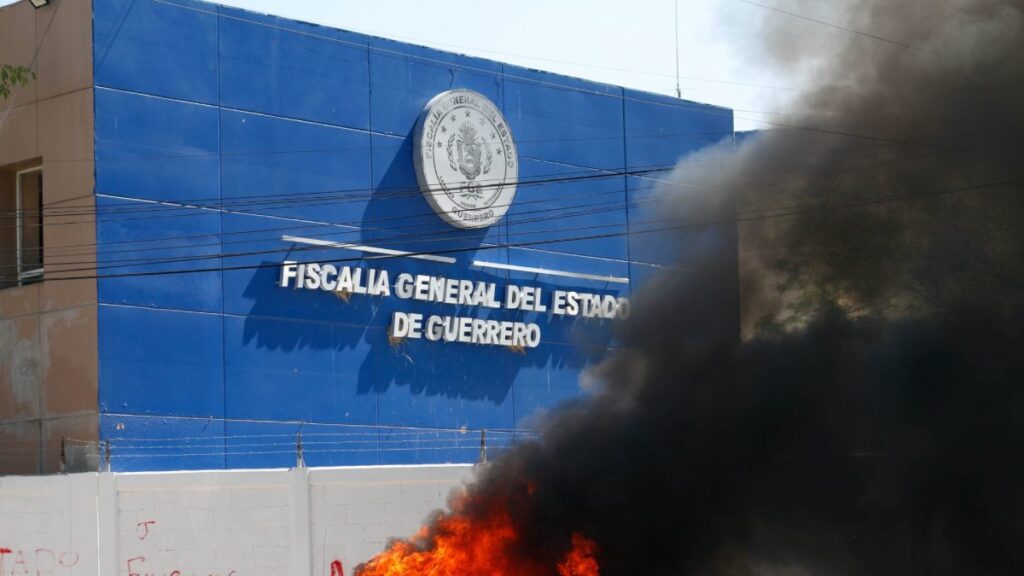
(455, 292)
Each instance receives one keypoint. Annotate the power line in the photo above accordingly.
(707, 109)
(698, 108)
(448, 234)
(35, 56)
(418, 238)
(560, 212)
(675, 20)
(357, 226)
(678, 227)
(557, 213)
(359, 194)
(362, 195)
(579, 64)
(823, 23)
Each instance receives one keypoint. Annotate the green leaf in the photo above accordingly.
(13, 76)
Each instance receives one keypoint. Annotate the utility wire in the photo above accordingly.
(334, 230)
(678, 104)
(418, 238)
(483, 248)
(335, 196)
(556, 213)
(144, 205)
(563, 212)
(31, 64)
(823, 23)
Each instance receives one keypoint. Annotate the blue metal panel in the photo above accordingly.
(589, 332)
(562, 119)
(274, 444)
(255, 250)
(154, 47)
(403, 78)
(144, 443)
(308, 75)
(154, 255)
(425, 384)
(287, 168)
(661, 129)
(325, 372)
(251, 18)
(397, 357)
(655, 233)
(588, 203)
(156, 149)
(160, 362)
(641, 275)
(399, 445)
(681, 227)
(398, 216)
(545, 385)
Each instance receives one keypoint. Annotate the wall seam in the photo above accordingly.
(625, 188)
(220, 195)
(369, 123)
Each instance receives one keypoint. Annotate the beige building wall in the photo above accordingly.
(48, 350)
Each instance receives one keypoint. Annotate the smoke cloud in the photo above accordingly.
(870, 421)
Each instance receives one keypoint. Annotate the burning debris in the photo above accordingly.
(478, 538)
(873, 421)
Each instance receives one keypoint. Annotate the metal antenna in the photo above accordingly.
(300, 461)
(679, 93)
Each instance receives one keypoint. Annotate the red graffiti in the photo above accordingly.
(19, 563)
(136, 567)
(143, 528)
(337, 569)
(131, 569)
(68, 559)
(41, 561)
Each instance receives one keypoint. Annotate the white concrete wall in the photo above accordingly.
(241, 523)
(48, 525)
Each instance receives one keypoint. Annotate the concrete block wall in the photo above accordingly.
(223, 523)
(354, 511)
(48, 525)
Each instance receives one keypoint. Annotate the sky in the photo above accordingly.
(622, 42)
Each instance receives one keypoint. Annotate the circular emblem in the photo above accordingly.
(466, 161)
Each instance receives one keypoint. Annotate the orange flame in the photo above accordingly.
(580, 560)
(458, 545)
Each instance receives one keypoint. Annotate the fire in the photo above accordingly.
(459, 544)
(580, 560)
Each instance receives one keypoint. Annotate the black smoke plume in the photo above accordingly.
(871, 421)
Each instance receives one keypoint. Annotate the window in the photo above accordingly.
(22, 245)
(30, 225)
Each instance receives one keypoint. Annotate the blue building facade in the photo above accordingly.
(221, 133)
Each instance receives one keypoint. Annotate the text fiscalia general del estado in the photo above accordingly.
(459, 292)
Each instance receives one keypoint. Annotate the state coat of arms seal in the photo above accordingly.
(466, 160)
